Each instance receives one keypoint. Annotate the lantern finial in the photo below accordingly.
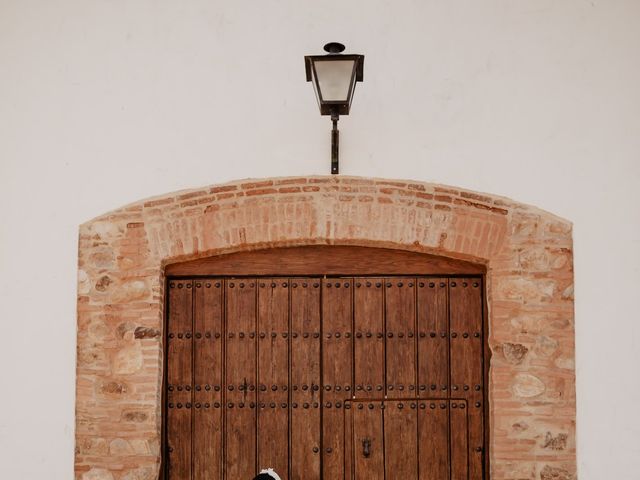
(334, 48)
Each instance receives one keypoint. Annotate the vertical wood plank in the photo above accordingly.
(368, 315)
(240, 360)
(400, 440)
(179, 379)
(337, 365)
(366, 418)
(305, 380)
(467, 370)
(207, 411)
(459, 441)
(400, 340)
(476, 437)
(433, 337)
(433, 439)
(273, 374)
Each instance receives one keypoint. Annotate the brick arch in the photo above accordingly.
(527, 252)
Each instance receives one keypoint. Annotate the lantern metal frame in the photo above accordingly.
(330, 107)
(334, 108)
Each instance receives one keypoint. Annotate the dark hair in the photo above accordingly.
(263, 476)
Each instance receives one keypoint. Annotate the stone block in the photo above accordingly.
(97, 474)
(128, 360)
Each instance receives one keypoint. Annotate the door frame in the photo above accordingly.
(329, 261)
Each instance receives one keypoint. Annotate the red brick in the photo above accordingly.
(261, 191)
(223, 196)
(207, 199)
(322, 180)
(224, 188)
(289, 190)
(475, 196)
(189, 195)
(450, 191)
(480, 206)
(426, 196)
(156, 203)
(291, 181)
(391, 183)
(265, 183)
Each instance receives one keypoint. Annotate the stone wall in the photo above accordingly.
(528, 253)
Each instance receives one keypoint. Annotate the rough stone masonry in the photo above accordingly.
(529, 259)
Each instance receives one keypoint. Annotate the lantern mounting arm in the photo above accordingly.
(335, 140)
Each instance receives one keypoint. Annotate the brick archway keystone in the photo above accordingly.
(529, 259)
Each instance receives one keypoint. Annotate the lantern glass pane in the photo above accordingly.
(334, 79)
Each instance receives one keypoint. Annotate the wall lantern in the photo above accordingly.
(334, 78)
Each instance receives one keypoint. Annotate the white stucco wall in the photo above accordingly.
(106, 102)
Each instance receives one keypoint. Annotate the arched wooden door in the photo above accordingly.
(325, 363)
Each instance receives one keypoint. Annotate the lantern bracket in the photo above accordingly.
(335, 140)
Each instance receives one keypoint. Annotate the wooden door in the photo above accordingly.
(360, 377)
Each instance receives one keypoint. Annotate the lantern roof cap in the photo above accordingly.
(334, 48)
